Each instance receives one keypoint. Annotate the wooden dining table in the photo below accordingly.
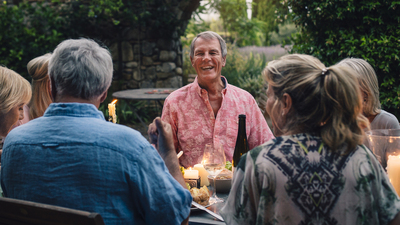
(200, 217)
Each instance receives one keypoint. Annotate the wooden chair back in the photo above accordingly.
(19, 212)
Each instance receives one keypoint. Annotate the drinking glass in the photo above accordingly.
(214, 161)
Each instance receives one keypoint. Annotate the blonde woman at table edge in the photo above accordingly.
(315, 171)
(41, 99)
(15, 92)
(37, 69)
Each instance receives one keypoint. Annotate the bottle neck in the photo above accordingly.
(242, 126)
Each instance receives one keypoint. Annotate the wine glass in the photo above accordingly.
(214, 161)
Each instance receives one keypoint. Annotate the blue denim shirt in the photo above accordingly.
(72, 157)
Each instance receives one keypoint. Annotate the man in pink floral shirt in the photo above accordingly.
(207, 110)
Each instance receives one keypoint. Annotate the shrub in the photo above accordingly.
(31, 31)
(336, 29)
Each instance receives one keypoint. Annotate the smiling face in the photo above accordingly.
(10, 118)
(208, 60)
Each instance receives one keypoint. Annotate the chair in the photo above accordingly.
(19, 212)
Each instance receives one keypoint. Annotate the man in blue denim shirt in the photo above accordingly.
(72, 157)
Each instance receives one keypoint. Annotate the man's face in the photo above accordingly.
(207, 59)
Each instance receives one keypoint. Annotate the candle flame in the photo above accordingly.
(190, 168)
(115, 101)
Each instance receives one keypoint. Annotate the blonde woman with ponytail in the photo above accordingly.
(37, 69)
(316, 170)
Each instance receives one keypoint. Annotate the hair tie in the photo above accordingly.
(324, 70)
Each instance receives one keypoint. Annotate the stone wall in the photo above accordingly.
(148, 62)
(150, 59)
(147, 56)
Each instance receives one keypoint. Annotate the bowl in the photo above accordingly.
(221, 185)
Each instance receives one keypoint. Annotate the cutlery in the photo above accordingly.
(195, 204)
(180, 154)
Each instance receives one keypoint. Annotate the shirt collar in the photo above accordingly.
(73, 109)
(198, 88)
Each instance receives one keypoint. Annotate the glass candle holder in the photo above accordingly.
(385, 144)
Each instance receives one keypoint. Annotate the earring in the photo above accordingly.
(283, 113)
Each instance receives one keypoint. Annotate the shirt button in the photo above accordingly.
(215, 136)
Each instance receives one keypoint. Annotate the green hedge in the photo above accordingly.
(332, 30)
(27, 32)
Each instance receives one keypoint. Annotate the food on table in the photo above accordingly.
(224, 175)
(182, 170)
(201, 195)
(228, 165)
(187, 186)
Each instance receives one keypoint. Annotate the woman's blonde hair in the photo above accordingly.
(325, 101)
(14, 90)
(41, 98)
(368, 83)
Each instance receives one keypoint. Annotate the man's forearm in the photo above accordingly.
(172, 163)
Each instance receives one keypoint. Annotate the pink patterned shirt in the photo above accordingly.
(194, 125)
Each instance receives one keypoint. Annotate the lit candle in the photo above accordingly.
(203, 174)
(111, 111)
(393, 170)
(191, 174)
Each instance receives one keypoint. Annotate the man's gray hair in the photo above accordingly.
(208, 35)
(81, 69)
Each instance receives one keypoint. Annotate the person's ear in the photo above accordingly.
(223, 61)
(103, 96)
(286, 103)
(21, 114)
(365, 96)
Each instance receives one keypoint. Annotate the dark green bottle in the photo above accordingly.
(242, 146)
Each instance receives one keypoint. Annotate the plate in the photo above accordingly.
(194, 209)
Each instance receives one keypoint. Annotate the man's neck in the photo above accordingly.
(70, 99)
(214, 87)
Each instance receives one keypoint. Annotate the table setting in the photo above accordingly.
(205, 180)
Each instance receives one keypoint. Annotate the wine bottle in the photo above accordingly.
(242, 146)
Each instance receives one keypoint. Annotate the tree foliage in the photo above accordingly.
(21, 41)
(28, 30)
(238, 27)
(332, 30)
(273, 13)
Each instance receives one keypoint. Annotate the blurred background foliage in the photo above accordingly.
(332, 30)
(328, 29)
(30, 29)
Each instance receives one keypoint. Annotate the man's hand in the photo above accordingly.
(153, 133)
(160, 134)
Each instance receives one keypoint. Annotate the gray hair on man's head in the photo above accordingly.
(209, 35)
(81, 68)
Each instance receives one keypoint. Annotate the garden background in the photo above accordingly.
(329, 30)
